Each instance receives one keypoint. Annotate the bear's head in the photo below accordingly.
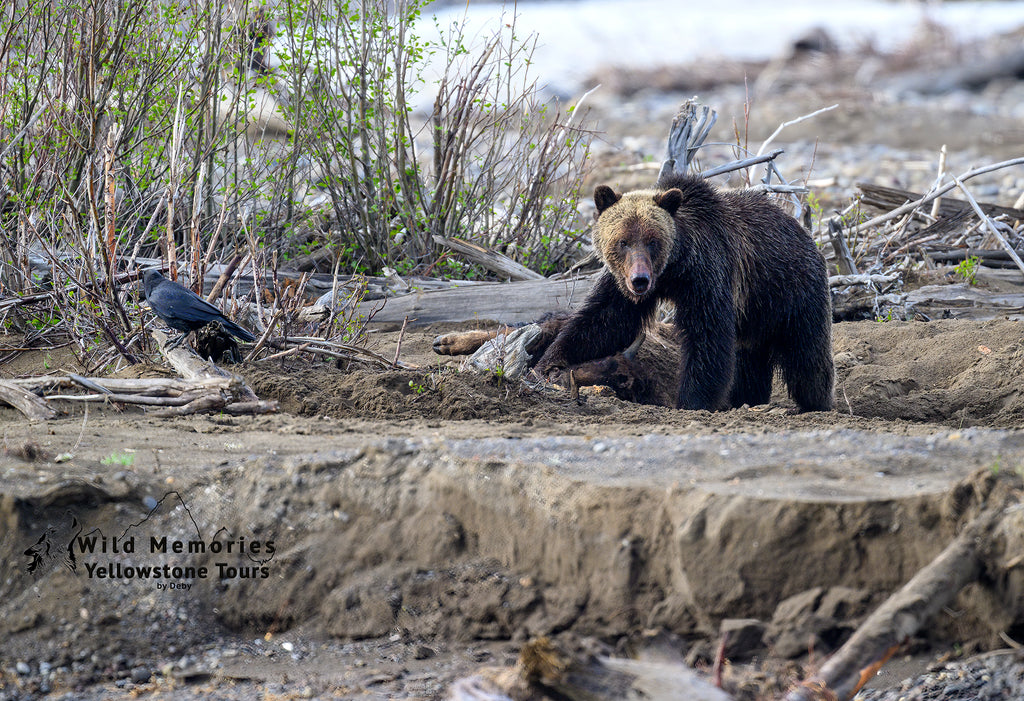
(634, 235)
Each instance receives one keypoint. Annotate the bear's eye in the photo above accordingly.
(653, 248)
(623, 245)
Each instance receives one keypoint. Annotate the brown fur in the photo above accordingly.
(650, 376)
(465, 342)
(749, 287)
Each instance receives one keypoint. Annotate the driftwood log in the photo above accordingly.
(34, 408)
(990, 257)
(501, 265)
(508, 303)
(902, 615)
(227, 390)
(887, 198)
(963, 301)
(971, 75)
(544, 670)
(854, 297)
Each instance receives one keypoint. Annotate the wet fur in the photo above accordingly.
(749, 287)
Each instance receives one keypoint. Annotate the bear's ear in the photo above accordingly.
(604, 197)
(669, 200)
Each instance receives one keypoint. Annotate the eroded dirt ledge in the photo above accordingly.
(463, 540)
(425, 521)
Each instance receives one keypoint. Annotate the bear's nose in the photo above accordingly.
(640, 283)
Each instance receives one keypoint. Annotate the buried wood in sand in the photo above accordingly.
(981, 549)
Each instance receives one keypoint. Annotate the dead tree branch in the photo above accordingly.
(902, 614)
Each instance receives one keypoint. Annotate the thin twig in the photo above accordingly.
(318, 346)
(790, 123)
(291, 351)
(744, 163)
(938, 178)
(401, 336)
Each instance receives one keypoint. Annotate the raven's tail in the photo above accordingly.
(236, 330)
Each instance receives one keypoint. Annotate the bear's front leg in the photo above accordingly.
(709, 352)
(606, 324)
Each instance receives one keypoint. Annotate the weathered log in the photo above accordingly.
(488, 259)
(902, 614)
(191, 367)
(970, 75)
(206, 390)
(24, 401)
(508, 303)
(963, 301)
(989, 257)
(858, 303)
(844, 259)
(945, 224)
(865, 279)
(934, 194)
(140, 399)
(687, 134)
(117, 385)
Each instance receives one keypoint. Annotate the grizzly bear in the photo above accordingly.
(749, 287)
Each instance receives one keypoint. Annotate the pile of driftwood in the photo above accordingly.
(924, 231)
(202, 387)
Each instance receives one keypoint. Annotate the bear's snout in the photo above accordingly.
(640, 282)
(638, 272)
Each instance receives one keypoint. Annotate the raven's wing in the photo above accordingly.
(175, 301)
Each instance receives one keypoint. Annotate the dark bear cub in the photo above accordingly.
(749, 286)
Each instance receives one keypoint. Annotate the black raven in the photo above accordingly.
(183, 309)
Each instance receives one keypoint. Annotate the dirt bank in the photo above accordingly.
(425, 522)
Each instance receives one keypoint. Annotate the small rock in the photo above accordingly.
(22, 668)
(818, 616)
(141, 675)
(422, 652)
(743, 637)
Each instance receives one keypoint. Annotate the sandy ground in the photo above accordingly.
(428, 522)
